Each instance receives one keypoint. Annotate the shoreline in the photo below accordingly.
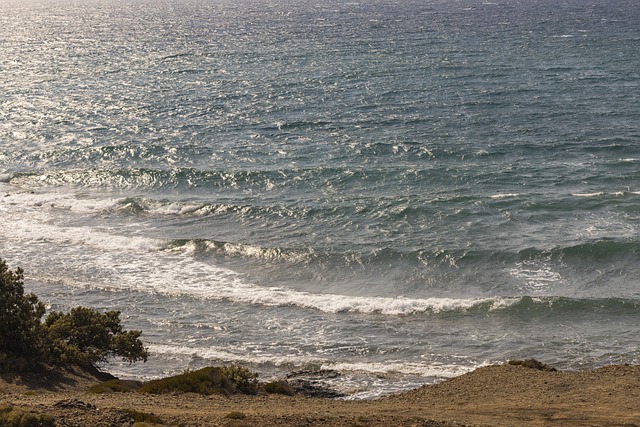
(497, 395)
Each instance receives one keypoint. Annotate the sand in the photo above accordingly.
(503, 395)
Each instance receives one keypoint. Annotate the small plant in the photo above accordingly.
(115, 386)
(243, 380)
(236, 415)
(143, 417)
(361, 421)
(279, 387)
(16, 418)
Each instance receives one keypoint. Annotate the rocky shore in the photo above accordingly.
(504, 395)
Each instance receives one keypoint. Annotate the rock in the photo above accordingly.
(311, 383)
(74, 403)
(319, 374)
(314, 389)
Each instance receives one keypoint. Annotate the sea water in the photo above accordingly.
(397, 190)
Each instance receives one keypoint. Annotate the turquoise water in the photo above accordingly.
(400, 191)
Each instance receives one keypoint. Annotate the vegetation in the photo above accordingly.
(81, 337)
(11, 417)
(211, 380)
(85, 336)
(20, 328)
(115, 386)
(236, 415)
(143, 417)
(279, 387)
(242, 379)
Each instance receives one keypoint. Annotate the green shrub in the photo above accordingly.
(115, 386)
(20, 314)
(203, 381)
(236, 415)
(81, 337)
(207, 381)
(243, 380)
(85, 336)
(279, 387)
(142, 417)
(10, 417)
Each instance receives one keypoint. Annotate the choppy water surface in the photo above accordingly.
(400, 191)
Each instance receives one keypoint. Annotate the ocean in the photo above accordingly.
(399, 191)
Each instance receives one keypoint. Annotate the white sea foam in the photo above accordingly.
(601, 193)
(504, 196)
(597, 194)
(151, 267)
(257, 252)
(82, 238)
(333, 303)
(226, 356)
(399, 367)
(537, 277)
(499, 303)
(74, 202)
(425, 369)
(86, 203)
(211, 282)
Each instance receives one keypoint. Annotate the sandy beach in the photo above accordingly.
(503, 395)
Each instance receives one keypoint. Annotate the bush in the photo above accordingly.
(279, 387)
(211, 380)
(115, 386)
(203, 381)
(143, 417)
(11, 417)
(243, 380)
(81, 337)
(85, 337)
(20, 314)
(236, 415)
